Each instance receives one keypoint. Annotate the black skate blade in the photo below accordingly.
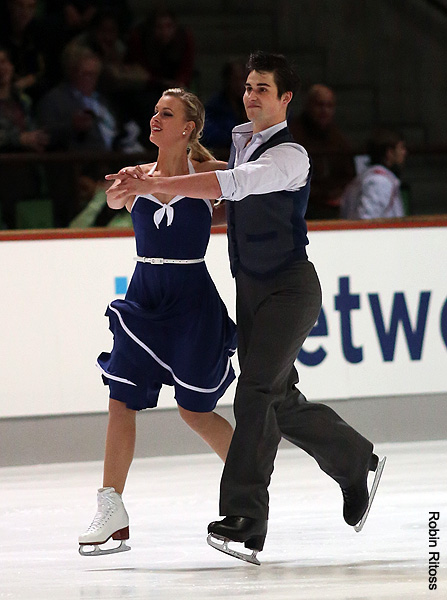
(250, 558)
(375, 485)
(97, 551)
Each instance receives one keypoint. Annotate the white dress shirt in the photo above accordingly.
(283, 167)
(106, 121)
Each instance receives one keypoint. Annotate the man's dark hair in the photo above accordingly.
(381, 141)
(283, 73)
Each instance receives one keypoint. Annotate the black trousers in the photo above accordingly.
(274, 317)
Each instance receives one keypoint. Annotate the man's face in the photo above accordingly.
(85, 77)
(322, 107)
(262, 105)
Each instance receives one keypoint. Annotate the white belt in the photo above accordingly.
(170, 261)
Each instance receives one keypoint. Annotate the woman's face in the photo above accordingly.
(169, 122)
(400, 153)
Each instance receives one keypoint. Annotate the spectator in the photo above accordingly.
(329, 149)
(76, 116)
(164, 49)
(17, 134)
(375, 193)
(225, 109)
(19, 34)
(121, 81)
(72, 16)
(60, 22)
(166, 52)
(103, 38)
(16, 123)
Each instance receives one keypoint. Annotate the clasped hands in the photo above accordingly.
(127, 183)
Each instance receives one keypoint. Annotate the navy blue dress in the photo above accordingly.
(172, 327)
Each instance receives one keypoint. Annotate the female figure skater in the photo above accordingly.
(172, 327)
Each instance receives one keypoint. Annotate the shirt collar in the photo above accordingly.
(242, 133)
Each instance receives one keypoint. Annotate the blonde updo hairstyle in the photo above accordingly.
(194, 111)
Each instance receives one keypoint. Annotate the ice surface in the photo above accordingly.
(310, 554)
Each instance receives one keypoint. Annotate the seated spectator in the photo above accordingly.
(17, 130)
(120, 81)
(329, 149)
(103, 38)
(375, 193)
(63, 20)
(72, 16)
(20, 35)
(60, 22)
(17, 134)
(225, 109)
(78, 118)
(165, 50)
(74, 114)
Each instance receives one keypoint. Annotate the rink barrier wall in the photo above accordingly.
(377, 354)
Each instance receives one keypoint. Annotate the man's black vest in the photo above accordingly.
(266, 232)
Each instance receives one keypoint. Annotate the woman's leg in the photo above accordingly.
(120, 445)
(212, 428)
(111, 519)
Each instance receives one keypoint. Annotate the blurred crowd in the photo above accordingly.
(83, 76)
(80, 76)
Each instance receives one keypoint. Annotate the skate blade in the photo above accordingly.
(374, 487)
(97, 551)
(250, 558)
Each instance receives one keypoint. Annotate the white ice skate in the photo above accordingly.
(111, 521)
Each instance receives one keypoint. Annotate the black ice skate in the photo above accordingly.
(357, 499)
(250, 532)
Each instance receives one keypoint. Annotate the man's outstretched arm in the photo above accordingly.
(196, 185)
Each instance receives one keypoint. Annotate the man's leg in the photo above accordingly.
(280, 313)
(340, 451)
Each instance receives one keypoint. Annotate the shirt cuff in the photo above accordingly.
(227, 184)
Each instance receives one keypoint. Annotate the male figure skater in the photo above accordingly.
(277, 303)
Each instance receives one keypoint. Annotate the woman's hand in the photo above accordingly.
(135, 172)
(125, 187)
(133, 182)
(115, 198)
(121, 192)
